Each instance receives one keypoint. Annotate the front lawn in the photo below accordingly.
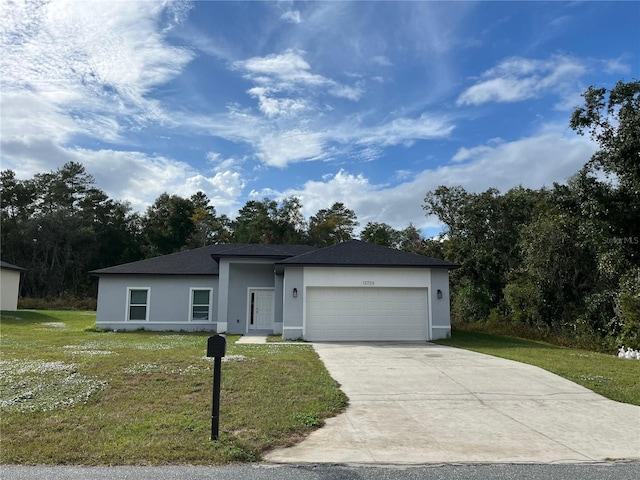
(610, 376)
(73, 395)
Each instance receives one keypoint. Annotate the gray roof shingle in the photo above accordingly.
(356, 253)
(259, 250)
(200, 261)
(11, 266)
(203, 261)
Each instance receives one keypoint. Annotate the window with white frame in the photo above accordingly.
(138, 304)
(200, 308)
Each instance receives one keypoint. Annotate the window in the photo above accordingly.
(200, 310)
(137, 304)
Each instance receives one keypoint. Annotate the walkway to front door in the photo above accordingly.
(260, 309)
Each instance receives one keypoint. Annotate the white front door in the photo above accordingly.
(260, 309)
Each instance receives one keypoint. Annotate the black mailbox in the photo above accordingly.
(216, 346)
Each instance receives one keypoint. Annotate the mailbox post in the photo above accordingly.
(216, 347)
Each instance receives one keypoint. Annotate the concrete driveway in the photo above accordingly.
(425, 403)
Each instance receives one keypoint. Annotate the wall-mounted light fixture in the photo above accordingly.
(439, 293)
(295, 293)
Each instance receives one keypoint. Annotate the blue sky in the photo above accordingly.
(367, 103)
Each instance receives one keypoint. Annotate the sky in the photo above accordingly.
(371, 104)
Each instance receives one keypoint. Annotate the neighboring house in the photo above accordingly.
(9, 285)
(351, 291)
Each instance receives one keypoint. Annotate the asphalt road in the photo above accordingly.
(582, 471)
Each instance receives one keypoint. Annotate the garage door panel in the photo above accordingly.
(352, 314)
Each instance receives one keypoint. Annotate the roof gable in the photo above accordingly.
(362, 254)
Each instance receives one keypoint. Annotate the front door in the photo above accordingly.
(260, 309)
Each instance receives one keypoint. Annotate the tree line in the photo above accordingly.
(60, 226)
(563, 259)
(566, 259)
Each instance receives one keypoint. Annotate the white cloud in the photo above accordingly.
(289, 67)
(74, 69)
(223, 189)
(277, 107)
(141, 178)
(134, 176)
(517, 79)
(83, 66)
(294, 139)
(404, 131)
(340, 187)
(617, 66)
(291, 16)
(403, 174)
(278, 75)
(281, 148)
(532, 162)
(569, 102)
(346, 91)
(31, 155)
(467, 153)
(499, 90)
(561, 22)
(26, 115)
(220, 164)
(382, 60)
(274, 145)
(293, 122)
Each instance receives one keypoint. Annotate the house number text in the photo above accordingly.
(368, 282)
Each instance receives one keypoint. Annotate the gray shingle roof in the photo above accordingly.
(200, 261)
(362, 254)
(203, 261)
(10, 266)
(191, 262)
(258, 250)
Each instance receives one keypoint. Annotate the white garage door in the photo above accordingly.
(353, 314)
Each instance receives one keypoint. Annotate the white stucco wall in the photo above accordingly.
(169, 301)
(236, 277)
(440, 307)
(9, 284)
(431, 279)
(362, 277)
(293, 313)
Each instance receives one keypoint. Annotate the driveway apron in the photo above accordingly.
(425, 403)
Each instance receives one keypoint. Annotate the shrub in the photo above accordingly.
(525, 303)
(594, 320)
(470, 302)
(629, 315)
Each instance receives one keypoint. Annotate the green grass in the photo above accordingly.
(612, 377)
(70, 394)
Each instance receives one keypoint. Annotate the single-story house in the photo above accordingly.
(351, 291)
(9, 285)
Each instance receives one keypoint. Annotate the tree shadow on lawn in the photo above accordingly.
(26, 317)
